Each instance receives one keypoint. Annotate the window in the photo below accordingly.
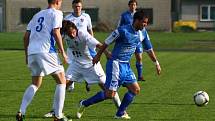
(207, 13)
(93, 12)
(148, 13)
(27, 14)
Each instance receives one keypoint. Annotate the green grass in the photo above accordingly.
(168, 97)
(160, 40)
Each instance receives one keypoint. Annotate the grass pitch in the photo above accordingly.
(168, 97)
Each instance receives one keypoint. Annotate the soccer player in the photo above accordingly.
(83, 23)
(127, 18)
(118, 70)
(43, 31)
(81, 50)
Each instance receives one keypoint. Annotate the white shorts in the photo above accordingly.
(92, 75)
(44, 64)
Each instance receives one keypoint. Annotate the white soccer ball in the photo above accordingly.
(201, 98)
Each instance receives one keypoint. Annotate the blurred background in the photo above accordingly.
(164, 15)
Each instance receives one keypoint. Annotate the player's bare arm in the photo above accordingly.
(106, 52)
(59, 42)
(96, 59)
(154, 59)
(26, 43)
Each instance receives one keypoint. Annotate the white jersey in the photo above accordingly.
(82, 22)
(41, 27)
(81, 49)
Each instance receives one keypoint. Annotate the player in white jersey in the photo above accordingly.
(42, 33)
(80, 19)
(82, 22)
(81, 50)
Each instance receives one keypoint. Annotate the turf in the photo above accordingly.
(201, 41)
(168, 97)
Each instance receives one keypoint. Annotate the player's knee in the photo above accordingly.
(136, 91)
(109, 94)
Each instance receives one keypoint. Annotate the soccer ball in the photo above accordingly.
(201, 98)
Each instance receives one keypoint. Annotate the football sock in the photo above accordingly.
(139, 67)
(59, 99)
(27, 97)
(100, 96)
(128, 98)
(116, 100)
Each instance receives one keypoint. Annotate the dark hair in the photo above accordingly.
(132, 1)
(76, 1)
(50, 1)
(66, 25)
(139, 15)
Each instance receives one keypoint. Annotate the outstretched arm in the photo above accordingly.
(102, 48)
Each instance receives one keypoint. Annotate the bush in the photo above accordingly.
(183, 29)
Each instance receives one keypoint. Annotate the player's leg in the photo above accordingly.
(102, 95)
(28, 96)
(133, 89)
(59, 96)
(37, 74)
(139, 64)
(102, 79)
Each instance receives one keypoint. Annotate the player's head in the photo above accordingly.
(69, 29)
(77, 6)
(132, 4)
(139, 20)
(55, 3)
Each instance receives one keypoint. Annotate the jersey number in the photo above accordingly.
(76, 53)
(40, 22)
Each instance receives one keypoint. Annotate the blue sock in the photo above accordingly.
(139, 67)
(100, 96)
(128, 98)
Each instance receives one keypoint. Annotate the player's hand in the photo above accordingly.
(65, 58)
(158, 68)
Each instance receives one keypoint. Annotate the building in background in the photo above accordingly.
(201, 11)
(15, 14)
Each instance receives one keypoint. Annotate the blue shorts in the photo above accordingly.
(139, 48)
(117, 74)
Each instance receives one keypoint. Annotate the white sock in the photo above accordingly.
(116, 100)
(59, 99)
(27, 98)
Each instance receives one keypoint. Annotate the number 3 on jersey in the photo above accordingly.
(40, 26)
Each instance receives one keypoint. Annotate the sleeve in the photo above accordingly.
(146, 41)
(30, 24)
(119, 22)
(89, 22)
(112, 37)
(90, 40)
(57, 20)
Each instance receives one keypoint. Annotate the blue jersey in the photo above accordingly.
(126, 40)
(126, 18)
(146, 40)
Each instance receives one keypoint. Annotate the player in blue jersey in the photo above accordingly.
(127, 18)
(43, 31)
(118, 70)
